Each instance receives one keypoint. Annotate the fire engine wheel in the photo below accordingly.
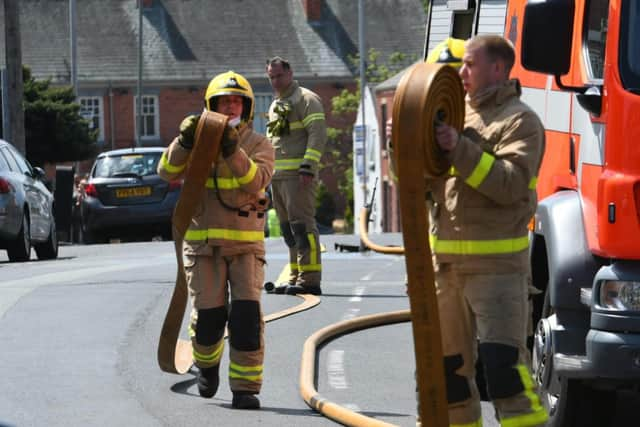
(564, 398)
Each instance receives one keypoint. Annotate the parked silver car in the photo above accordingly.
(124, 197)
(26, 208)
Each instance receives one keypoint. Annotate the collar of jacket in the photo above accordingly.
(289, 91)
(496, 94)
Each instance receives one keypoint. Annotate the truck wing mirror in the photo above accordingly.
(547, 31)
(591, 100)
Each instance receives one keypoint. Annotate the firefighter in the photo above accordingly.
(298, 132)
(479, 238)
(224, 245)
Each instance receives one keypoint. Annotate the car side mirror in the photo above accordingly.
(38, 172)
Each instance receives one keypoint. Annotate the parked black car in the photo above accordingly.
(26, 208)
(124, 197)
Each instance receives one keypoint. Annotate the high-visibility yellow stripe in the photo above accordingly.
(306, 268)
(533, 183)
(312, 154)
(249, 373)
(223, 183)
(313, 252)
(251, 173)
(477, 423)
(288, 164)
(481, 170)
(478, 247)
(296, 125)
(538, 414)
(214, 357)
(312, 118)
(224, 234)
(164, 163)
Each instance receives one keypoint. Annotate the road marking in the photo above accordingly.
(351, 313)
(335, 370)
(357, 294)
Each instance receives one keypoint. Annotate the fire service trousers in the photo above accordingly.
(492, 310)
(295, 206)
(212, 279)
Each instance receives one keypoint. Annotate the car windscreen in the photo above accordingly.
(134, 164)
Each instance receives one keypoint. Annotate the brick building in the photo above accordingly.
(187, 42)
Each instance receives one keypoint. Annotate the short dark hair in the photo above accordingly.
(497, 48)
(277, 60)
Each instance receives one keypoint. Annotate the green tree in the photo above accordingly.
(340, 141)
(54, 130)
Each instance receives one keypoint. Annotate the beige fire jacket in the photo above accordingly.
(300, 134)
(231, 213)
(480, 210)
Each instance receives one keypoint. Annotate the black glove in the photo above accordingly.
(229, 143)
(306, 170)
(187, 131)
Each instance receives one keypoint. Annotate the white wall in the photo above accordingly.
(367, 152)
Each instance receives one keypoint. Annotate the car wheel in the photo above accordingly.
(20, 249)
(49, 248)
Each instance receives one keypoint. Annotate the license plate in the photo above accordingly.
(133, 192)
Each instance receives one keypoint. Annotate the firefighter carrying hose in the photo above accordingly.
(479, 212)
(224, 245)
(479, 215)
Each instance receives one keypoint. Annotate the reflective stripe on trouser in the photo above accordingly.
(295, 204)
(207, 276)
(500, 304)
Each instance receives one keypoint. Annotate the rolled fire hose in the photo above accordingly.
(175, 355)
(426, 95)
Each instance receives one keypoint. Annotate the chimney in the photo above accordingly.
(312, 9)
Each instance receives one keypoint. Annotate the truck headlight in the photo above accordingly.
(620, 295)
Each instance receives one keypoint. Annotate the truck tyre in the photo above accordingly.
(564, 398)
(20, 249)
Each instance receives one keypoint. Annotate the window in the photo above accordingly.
(4, 165)
(23, 165)
(91, 110)
(150, 117)
(596, 36)
(260, 111)
(630, 45)
(10, 160)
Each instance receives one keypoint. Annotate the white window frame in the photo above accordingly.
(156, 117)
(88, 112)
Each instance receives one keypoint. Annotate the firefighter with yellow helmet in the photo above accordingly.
(224, 245)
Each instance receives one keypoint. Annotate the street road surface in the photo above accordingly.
(78, 340)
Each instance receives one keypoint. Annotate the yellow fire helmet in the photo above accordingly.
(230, 83)
(449, 51)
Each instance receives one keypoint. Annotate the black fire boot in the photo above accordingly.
(208, 380)
(245, 400)
(307, 289)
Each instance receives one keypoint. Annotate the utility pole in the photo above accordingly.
(363, 85)
(139, 103)
(15, 88)
(73, 40)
